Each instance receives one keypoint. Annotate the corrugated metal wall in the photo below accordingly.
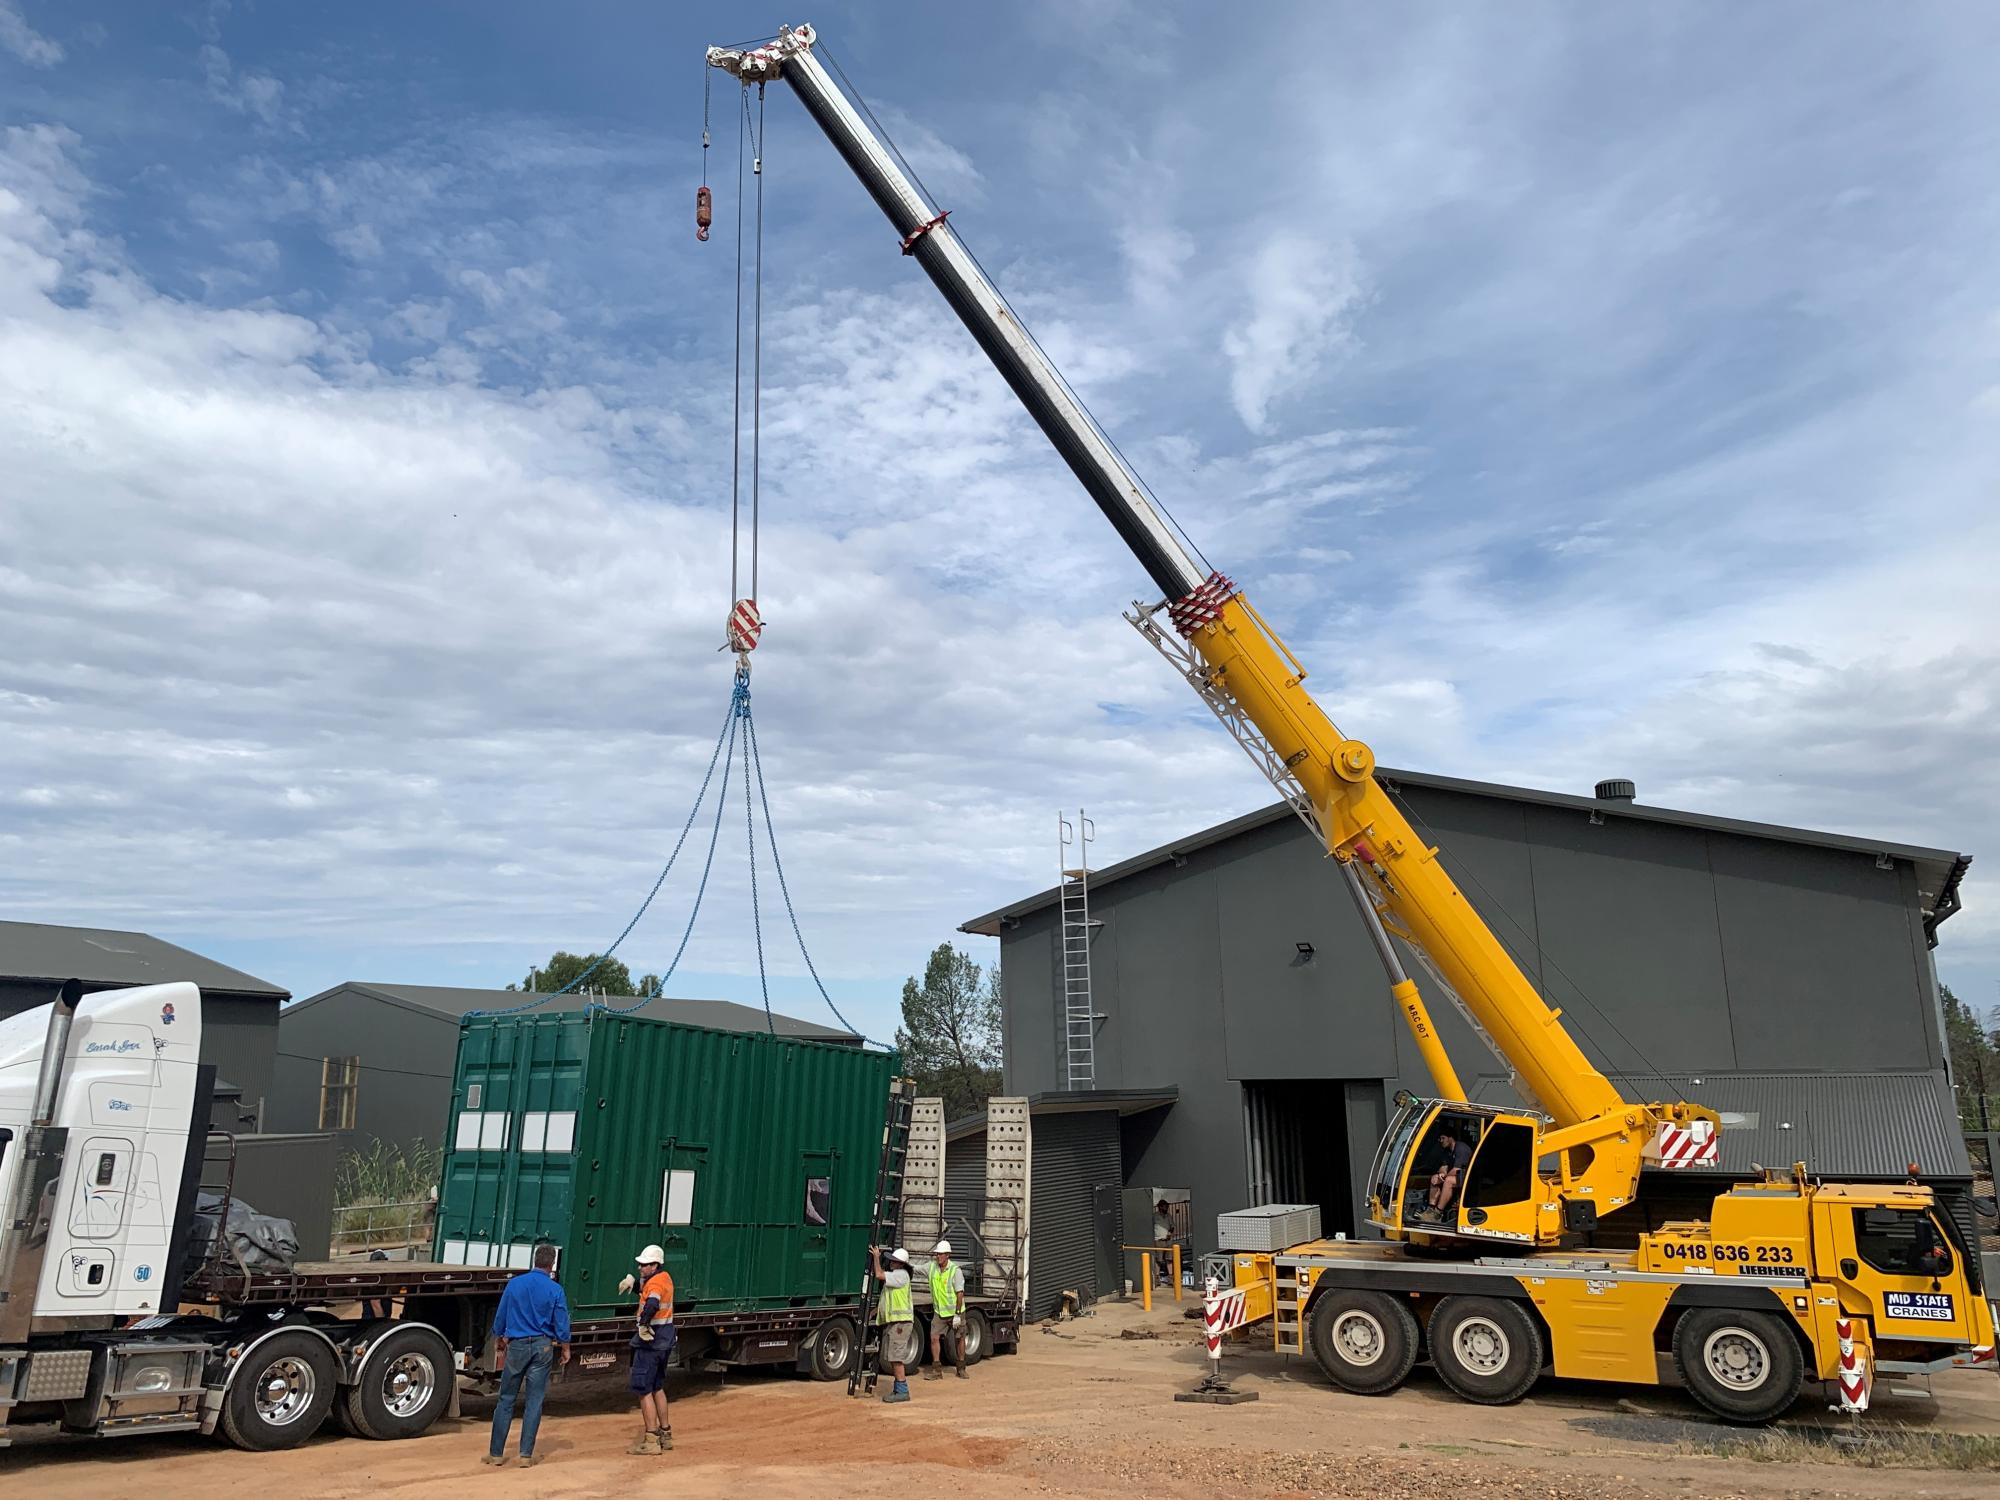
(1073, 1154)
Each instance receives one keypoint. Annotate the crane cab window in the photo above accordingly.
(1501, 1171)
(1901, 1242)
(1439, 1170)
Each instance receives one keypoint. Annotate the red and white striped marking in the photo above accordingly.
(745, 625)
(1853, 1368)
(1220, 1312)
(1691, 1145)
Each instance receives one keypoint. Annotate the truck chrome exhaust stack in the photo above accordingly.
(48, 1083)
(24, 1232)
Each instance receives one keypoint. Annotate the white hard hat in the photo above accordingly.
(899, 1253)
(942, 1247)
(651, 1255)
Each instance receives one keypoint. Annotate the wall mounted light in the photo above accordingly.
(1305, 949)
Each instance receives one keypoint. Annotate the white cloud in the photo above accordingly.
(21, 39)
(1298, 298)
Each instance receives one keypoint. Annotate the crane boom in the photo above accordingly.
(1598, 1139)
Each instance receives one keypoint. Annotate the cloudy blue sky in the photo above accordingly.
(1584, 390)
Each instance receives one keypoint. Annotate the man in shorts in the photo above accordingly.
(896, 1311)
(947, 1311)
(652, 1344)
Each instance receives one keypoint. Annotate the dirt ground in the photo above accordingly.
(1083, 1411)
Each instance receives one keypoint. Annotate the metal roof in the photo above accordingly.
(1840, 1124)
(1939, 871)
(106, 957)
(1076, 1102)
(452, 1003)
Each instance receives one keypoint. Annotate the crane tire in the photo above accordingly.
(1487, 1349)
(1365, 1342)
(1743, 1366)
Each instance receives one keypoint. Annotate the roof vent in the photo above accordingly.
(1616, 790)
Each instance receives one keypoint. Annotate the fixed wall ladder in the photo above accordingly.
(1079, 1013)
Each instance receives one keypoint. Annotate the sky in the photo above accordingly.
(1582, 391)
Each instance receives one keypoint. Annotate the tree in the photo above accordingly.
(950, 1036)
(564, 969)
(1975, 1063)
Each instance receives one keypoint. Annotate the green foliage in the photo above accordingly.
(1975, 1062)
(564, 969)
(950, 1035)
(383, 1196)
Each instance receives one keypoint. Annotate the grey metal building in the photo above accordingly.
(374, 1061)
(1782, 974)
(239, 1011)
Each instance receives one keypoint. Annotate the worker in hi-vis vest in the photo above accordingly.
(947, 1309)
(652, 1346)
(896, 1311)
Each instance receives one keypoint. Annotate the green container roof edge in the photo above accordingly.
(750, 1157)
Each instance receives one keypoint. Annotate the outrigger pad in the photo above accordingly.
(1216, 1398)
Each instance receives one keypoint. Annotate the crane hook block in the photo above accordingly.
(704, 211)
(745, 625)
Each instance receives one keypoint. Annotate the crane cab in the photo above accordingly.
(1447, 1167)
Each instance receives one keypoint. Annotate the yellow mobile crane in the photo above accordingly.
(1486, 1266)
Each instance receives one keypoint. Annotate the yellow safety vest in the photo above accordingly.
(944, 1296)
(895, 1306)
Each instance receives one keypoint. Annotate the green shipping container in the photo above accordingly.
(749, 1158)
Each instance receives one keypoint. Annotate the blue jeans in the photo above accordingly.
(528, 1360)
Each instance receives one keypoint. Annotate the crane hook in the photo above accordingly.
(704, 211)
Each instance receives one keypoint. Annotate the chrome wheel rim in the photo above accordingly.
(835, 1346)
(407, 1384)
(1737, 1358)
(1358, 1337)
(1481, 1346)
(285, 1390)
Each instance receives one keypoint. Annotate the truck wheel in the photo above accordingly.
(833, 1347)
(403, 1385)
(978, 1336)
(280, 1393)
(1743, 1366)
(1365, 1342)
(1486, 1349)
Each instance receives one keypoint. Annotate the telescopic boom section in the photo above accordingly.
(1405, 891)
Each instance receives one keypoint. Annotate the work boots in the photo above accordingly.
(666, 1437)
(646, 1443)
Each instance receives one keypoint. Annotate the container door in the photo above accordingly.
(814, 1270)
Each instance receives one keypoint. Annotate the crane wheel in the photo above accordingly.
(1486, 1349)
(1365, 1342)
(1743, 1366)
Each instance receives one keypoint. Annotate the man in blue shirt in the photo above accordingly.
(530, 1328)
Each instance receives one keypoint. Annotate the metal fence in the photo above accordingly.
(386, 1231)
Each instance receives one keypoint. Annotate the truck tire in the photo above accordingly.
(1487, 1349)
(834, 1347)
(978, 1336)
(403, 1386)
(280, 1392)
(1743, 1366)
(1365, 1342)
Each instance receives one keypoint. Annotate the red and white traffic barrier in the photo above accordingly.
(1853, 1368)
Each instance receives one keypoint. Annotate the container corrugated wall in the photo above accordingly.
(749, 1158)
